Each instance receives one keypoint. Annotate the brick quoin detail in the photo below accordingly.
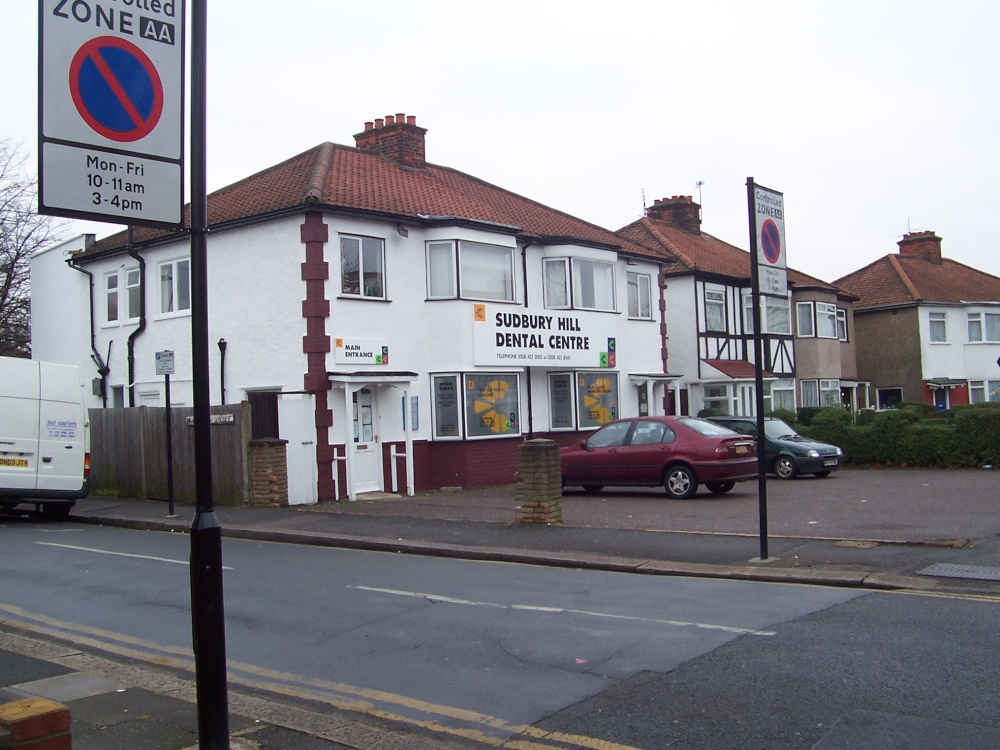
(315, 234)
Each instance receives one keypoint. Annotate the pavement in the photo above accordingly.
(931, 531)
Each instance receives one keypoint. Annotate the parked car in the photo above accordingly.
(678, 453)
(787, 453)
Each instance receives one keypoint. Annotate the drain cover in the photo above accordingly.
(950, 570)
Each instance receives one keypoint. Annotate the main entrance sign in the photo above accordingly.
(111, 110)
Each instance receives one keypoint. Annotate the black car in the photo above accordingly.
(787, 453)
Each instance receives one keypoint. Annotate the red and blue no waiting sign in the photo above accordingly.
(116, 89)
(770, 240)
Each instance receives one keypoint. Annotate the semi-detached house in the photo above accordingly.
(808, 350)
(928, 327)
(385, 312)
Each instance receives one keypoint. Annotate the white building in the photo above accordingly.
(386, 316)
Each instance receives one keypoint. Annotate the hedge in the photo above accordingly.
(970, 436)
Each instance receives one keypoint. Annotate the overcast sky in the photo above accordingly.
(873, 118)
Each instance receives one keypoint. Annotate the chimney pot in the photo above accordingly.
(379, 122)
(369, 125)
(389, 120)
(400, 118)
(411, 119)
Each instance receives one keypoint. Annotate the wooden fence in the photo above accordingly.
(128, 453)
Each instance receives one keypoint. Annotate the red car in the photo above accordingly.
(677, 452)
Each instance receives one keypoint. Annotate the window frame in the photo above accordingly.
(808, 397)
(457, 274)
(579, 288)
(566, 290)
(893, 390)
(937, 321)
(983, 391)
(380, 293)
(807, 308)
(827, 387)
(728, 396)
(133, 294)
(176, 310)
(715, 304)
(988, 324)
(640, 280)
(826, 318)
(842, 334)
(112, 290)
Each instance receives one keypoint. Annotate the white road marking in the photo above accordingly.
(121, 554)
(559, 610)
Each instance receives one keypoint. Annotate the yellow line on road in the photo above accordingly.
(337, 694)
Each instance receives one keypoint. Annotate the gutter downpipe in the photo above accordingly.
(142, 314)
(527, 369)
(102, 368)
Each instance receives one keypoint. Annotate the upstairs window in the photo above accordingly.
(939, 331)
(638, 296)
(804, 319)
(484, 272)
(715, 310)
(775, 312)
(133, 292)
(984, 327)
(175, 286)
(362, 272)
(826, 320)
(842, 324)
(593, 285)
(579, 283)
(111, 295)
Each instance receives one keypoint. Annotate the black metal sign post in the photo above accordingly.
(758, 354)
(170, 452)
(207, 611)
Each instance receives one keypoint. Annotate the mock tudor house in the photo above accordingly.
(927, 327)
(808, 356)
(388, 312)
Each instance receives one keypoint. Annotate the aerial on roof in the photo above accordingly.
(673, 226)
(919, 273)
(385, 176)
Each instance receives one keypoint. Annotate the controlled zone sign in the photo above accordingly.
(769, 225)
(111, 110)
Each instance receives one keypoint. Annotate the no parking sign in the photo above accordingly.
(111, 110)
(769, 222)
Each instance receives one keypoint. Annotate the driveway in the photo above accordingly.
(898, 505)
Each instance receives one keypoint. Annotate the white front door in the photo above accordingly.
(366, 453)
(748, 402)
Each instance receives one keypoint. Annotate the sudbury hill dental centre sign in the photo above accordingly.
(524, 337)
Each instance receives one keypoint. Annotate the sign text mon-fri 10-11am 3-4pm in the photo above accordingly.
(111, 110)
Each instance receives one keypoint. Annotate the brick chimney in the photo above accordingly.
(926, 245)
(679, 211)
(396, 137)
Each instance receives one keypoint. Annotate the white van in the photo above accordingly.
(44, 436)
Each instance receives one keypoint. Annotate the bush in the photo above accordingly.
(923, 409)
(705, 413)
(806, 414)
(832, 425)
(785, 415)
(865, 417)
(978, 435)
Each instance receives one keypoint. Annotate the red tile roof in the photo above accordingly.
(738, 369)
(898, 280)
(703, 253)
(342, 177)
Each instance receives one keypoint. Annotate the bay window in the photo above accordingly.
(484, 271)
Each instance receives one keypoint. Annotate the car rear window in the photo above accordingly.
(704, 427)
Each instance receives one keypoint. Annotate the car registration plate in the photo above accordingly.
(743, 448)
(830, 462)
(21, 463)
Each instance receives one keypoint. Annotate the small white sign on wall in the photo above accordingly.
(350, 351)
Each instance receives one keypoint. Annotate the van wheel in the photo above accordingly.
(680, 482)
(55, 512)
